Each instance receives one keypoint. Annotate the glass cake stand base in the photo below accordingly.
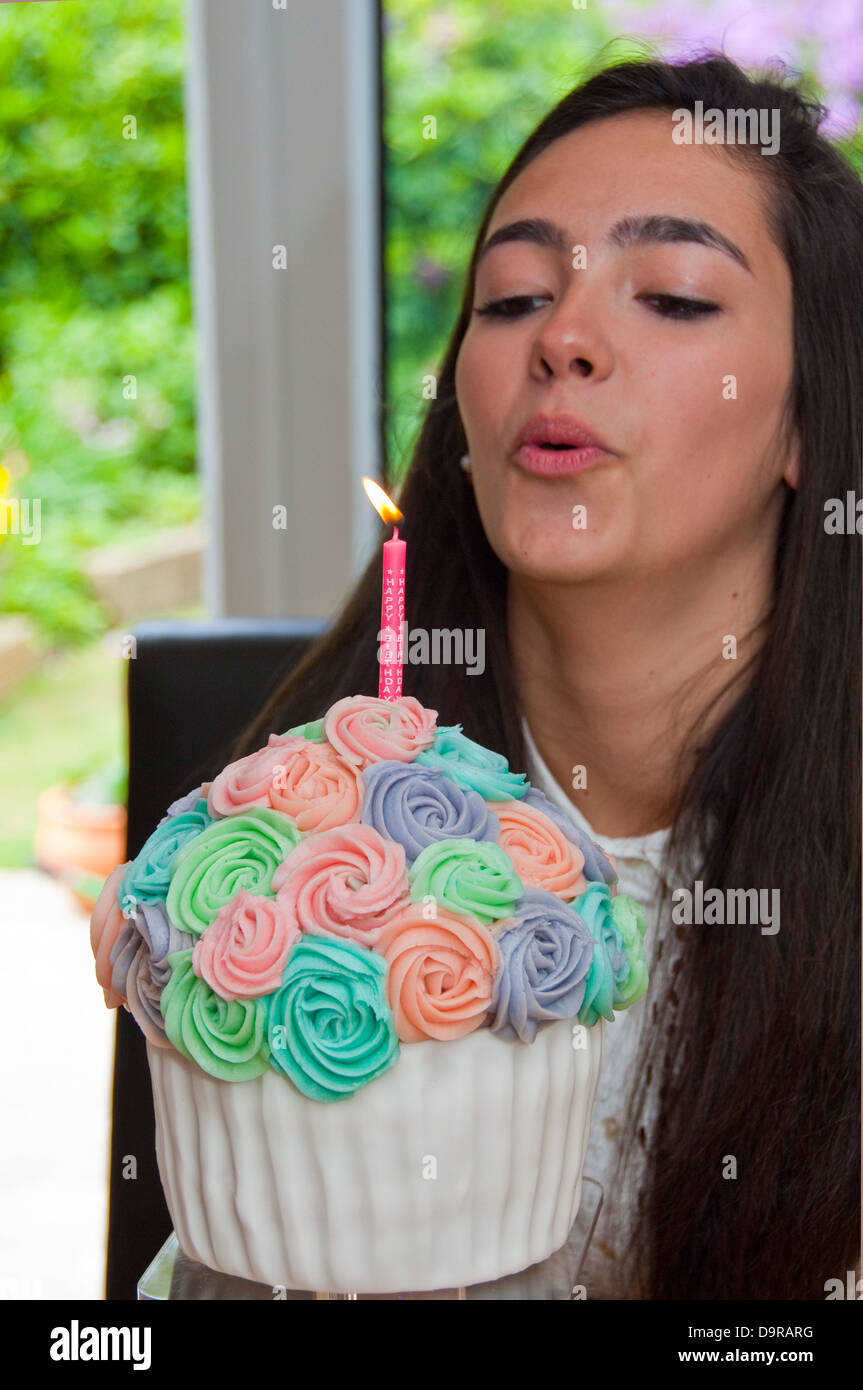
(172, 1275)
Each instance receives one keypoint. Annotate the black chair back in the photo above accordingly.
(192, 688)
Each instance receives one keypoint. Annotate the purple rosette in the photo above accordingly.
(417, 806)
(546, 951)
(597, 867)
(183, 803)
(140, 969)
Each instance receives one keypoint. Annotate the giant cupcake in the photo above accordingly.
(373, 966)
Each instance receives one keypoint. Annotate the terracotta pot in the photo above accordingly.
(73, 837)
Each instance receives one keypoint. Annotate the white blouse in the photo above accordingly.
(639, 867)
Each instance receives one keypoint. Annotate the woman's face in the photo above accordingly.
(688, 406)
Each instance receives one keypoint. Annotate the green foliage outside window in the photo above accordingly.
(95, 289)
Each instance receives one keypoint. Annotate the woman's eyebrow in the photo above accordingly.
(629, 231)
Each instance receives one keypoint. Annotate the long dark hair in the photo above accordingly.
(763, 1057)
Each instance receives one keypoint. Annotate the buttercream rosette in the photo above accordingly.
(366, 880)
(140, 969)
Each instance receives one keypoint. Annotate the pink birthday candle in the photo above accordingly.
(390, 653)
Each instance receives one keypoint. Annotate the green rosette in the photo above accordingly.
(471, 877)
(148, 877)
(631, 923)
(472, 766)
(225, 1039)
(233, 853)
(313, 731)
(330, 1028)
(618, 972)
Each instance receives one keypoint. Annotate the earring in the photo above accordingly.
(465, 462)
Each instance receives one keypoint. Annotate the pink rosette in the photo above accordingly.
(441, 974)
(106, 924)
(317, 787)
(243, 952)
(347, 882)
(367, 730)
(247, 782)
(542, 855)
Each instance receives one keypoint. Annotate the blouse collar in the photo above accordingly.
(649, 849)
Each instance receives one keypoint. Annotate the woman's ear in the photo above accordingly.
(792, 473)
(792, 468)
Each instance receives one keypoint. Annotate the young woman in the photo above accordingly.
(664, 609)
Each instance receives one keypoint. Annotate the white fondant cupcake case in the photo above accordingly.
(461, 1164)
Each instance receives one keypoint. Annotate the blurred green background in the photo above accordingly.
(94, 268)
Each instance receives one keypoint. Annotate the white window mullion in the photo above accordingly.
(283, 149)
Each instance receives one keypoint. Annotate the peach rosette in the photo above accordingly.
(106, 924)
(243, 952)
(542, 855)
(317, 787)
(347, 882)
(247, 782)
(440, 975)
(367, 730)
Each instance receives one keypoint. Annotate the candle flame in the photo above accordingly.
(386, 510)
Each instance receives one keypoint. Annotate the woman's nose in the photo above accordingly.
(571, 340)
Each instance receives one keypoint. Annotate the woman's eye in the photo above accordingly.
(669, 306)
(673, 306)
(511, 308)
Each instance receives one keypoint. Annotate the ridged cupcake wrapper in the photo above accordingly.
(268, 1185)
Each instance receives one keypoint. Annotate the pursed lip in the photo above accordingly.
(560, 429)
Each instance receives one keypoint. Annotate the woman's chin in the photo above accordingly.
(560, 560)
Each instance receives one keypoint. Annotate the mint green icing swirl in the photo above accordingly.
(473, 766)
(475, 877)
(330, 1028)
(313, 731)
(234, 852)
(227, 1040)
(618, 972)
(631, 923)
(147, 878)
